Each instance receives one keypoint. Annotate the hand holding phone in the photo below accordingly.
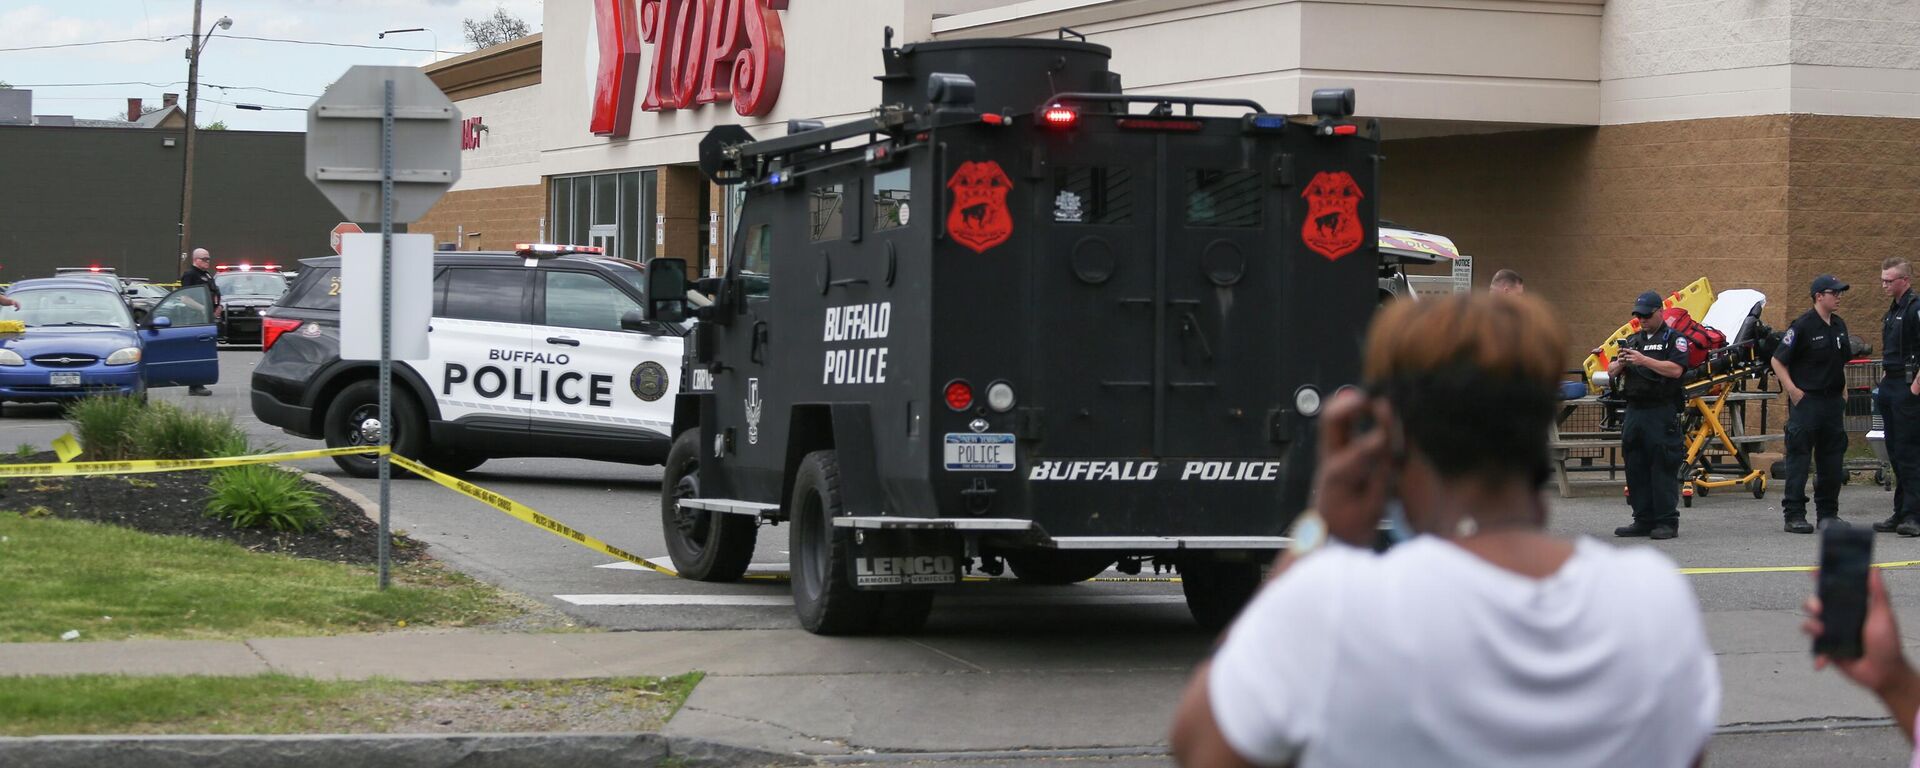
(1846, 556)
(1354, 479)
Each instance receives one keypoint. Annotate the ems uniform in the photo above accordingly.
(1650, 437)
(1899, 411)
(1815, 354)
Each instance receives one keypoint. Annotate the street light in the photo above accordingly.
(197, 44)
(436, 37)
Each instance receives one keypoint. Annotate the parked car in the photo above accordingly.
(101, 275)
(81, 340)
(539, 352)
(242, 296)
(141, 298)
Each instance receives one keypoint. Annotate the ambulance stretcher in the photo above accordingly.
(1732, 375)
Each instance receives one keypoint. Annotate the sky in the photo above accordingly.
(251, 71)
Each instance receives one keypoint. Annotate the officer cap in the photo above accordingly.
(1828, 283)
(1647, 304)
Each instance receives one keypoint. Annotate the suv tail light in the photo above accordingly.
(272, 327)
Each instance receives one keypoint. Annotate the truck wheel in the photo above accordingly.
(705, 546)
(353, 417)
(823, 594)
(1055, 567)
(1216, 591)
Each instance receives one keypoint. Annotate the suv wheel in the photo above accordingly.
(353, 420)
(704, 545)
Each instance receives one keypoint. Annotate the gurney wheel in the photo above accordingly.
(1686, 500)
(1759, 487)
(1699, 490)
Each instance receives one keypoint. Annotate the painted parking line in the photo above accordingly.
(785, 601)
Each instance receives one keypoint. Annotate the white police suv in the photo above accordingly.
(537, 352)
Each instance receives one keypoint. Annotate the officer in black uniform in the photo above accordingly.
(1898, 402)
(1648, 369)
(1811, 362)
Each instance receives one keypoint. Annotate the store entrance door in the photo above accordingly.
(605, 236)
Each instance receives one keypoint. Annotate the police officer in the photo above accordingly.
(1897, 397)
(1649, 368)
(200, 272)
(1811, 362)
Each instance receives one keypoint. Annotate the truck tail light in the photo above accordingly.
(1060, 117)
(959, 395)
(272, 327)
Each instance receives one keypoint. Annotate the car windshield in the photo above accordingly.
(102, 278)
(146, 291)
(68, 307)
(251, 284)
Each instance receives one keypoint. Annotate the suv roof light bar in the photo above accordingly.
(537, 250)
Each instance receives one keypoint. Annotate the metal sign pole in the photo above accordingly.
(386, 322)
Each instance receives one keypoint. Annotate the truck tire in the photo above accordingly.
(1057, 567)
(824, 597)
(1217, 590)
(359, 403)
(705, 546)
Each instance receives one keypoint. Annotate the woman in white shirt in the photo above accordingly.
(1483, 640)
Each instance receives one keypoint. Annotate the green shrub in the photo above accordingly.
(106, 426)
(25, 451)
(259, 496)
(170, 432)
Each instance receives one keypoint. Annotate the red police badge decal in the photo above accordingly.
(1333, 214)
(979, 218)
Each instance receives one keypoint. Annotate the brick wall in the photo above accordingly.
(1593, 216)
(1855, 200)
(680, 188)
(502, 215)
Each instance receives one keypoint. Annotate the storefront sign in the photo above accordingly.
(704, 51)
(470, 130)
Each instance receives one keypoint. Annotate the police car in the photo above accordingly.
(537, 352)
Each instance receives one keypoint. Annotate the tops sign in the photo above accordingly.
(704, 51)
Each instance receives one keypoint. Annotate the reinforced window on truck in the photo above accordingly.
(825, 206)
(757, 263)
(892, 191)
(582, 300)
(495, 295)
(1223, 198)
(1093, 195)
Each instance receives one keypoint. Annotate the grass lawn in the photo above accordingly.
(269, 704)
(111, 583)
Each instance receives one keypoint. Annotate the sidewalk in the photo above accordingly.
(789, 691)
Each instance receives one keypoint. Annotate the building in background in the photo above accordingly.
(106, 193)
(1600, 148)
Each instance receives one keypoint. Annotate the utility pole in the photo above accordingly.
(186, 172)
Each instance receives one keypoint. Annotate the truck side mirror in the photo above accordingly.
(666, 290)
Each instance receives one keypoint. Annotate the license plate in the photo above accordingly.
(63, 379)
(980, 452)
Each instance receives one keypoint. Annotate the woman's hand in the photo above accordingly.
(1350, 488)
(1882, 665)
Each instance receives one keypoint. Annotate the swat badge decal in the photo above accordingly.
(649, 381)
(979, 219)
(1333, 227)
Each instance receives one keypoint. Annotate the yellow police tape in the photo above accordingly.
(527, 514)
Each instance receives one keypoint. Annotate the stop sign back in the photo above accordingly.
(343, 228)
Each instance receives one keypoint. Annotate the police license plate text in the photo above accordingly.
(63, 379)
(979, 452)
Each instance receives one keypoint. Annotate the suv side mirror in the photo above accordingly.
(666, 290)
(635, 320)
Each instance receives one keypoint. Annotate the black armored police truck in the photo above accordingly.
(1017, 318)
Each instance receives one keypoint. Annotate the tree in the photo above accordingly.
(495, 29)
(4, 85)
(217, 125)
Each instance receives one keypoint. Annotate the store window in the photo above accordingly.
(891, 193)
(612, 210)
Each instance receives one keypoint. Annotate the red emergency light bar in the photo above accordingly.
(1158, 124)
(554, 249)
(247, 267)
(1058, 116)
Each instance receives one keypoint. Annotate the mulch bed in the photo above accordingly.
(175, 504)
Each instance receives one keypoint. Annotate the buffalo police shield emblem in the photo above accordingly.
(979, 219)
(1333, 226)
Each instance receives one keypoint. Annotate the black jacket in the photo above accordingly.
(197, 276)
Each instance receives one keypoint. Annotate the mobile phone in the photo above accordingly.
(1846, 552)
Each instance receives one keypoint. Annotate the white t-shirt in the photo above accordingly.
(1428, 655)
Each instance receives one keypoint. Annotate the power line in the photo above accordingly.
(334, 45)
(163, 85)
(93, 42)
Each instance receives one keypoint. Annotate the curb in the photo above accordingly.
(506, 750)
(366, 505)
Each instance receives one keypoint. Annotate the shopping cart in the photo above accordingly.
(1863, 418)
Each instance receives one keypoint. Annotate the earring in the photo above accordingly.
(1465, 527)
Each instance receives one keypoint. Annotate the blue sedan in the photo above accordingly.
(81, 340)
